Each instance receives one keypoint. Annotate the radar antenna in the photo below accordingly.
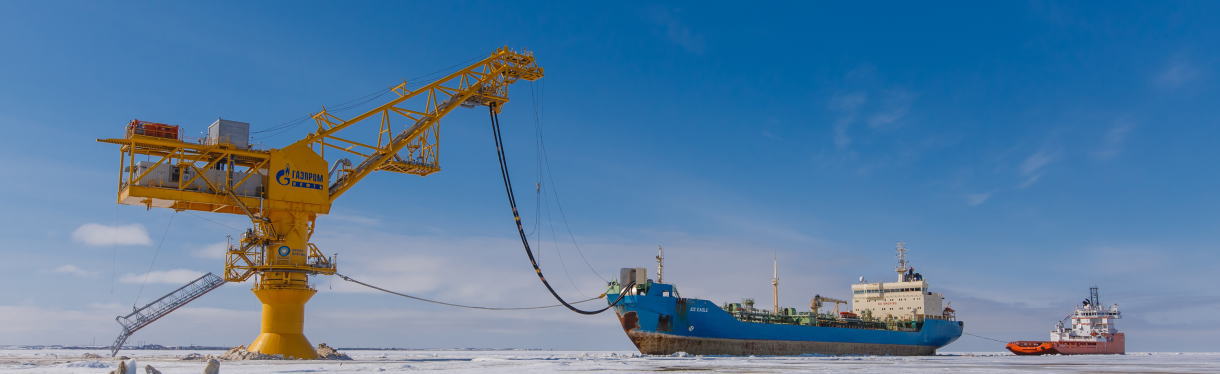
(902, 261)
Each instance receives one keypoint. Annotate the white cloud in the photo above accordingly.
(1113, 140)
(976, 199)
(175, 276)
(894, 105)
(352, 218)
(1179, 71)
(848, 102)
(1035, 162)
(96, 234)
(33, 324)
(1029, 180)
(881, 109)
(211, 251)
(403, 273)
(848, 105)
(675, 30)
(1031, 168)
(842, 140)
(73, 270)
(771, 229)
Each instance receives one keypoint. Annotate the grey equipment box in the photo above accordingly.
(234, 133)
(628, 275)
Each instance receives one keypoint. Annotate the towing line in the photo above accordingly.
(984, 337)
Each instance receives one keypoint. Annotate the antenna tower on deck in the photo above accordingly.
(775, 283)
(902, 261)
(660, 264)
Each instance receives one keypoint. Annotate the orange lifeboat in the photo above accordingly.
(1031, 347)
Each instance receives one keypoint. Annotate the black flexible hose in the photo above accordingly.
(512, 202)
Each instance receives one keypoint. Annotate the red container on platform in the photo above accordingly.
(159, 130)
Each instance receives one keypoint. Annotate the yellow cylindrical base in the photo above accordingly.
(283, 323)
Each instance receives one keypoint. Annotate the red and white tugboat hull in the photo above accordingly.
(1115, 345)
(1092, 333)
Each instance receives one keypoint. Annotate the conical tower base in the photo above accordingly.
(283, 323)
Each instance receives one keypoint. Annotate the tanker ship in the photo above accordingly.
(886, 318)
(1092, 332)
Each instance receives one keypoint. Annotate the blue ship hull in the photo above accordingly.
(661, 324)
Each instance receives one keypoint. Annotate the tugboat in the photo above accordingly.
(1092, 332)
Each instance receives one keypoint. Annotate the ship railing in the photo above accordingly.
(934, 316)
(811, 319)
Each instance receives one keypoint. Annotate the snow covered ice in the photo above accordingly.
(515, 361)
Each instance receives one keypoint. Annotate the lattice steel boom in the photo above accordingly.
(283, 190)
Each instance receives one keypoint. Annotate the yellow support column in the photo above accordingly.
(284, 293)
(283, 323)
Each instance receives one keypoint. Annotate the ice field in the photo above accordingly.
(482, 361)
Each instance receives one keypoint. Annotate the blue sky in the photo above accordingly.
(1024, 151)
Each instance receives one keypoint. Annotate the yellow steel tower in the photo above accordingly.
(284, 190)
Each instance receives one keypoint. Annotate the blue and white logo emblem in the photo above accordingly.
(298, 178)
(284, 251)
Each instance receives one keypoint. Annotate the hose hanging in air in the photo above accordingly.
(512, 202)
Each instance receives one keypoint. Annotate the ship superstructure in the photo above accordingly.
(659, 321)
(1092, 331)
(908, 298)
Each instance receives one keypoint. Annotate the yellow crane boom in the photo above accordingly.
(283, 190)
(482, 84)
(815, 305)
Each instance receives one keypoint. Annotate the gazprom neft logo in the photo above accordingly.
(298, 178)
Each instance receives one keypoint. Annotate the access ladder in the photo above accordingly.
(153, 311)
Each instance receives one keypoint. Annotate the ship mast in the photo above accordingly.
(902, 261)
(775, 283)
(660, 264)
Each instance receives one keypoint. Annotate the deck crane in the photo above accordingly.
(815, 305)
(284, 190)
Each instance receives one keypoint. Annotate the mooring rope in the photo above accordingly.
(427, 300)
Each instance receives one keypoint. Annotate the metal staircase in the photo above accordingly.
(149, 313)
